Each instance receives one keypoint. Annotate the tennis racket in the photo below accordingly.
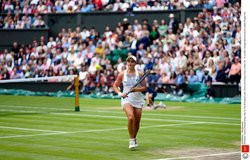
(140, 80)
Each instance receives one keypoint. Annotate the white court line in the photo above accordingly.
(145, 113)
(168, 115)
(143, 118)
(123, 117)
(29, 129)
(201, 156)
(97, 130)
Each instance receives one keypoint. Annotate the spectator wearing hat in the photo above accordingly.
(125, 23)
(173, 23)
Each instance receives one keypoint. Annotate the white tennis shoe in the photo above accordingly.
(136, 142)
(132, 144)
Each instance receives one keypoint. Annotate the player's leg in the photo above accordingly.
(137, 115)
(129, 110)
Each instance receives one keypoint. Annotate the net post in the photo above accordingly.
(76, 84)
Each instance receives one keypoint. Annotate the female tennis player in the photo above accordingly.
(133, 102)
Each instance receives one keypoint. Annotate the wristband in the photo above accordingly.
(120, 94)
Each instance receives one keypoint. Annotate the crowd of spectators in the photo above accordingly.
(13, 8)
(204, 49)
(21, 22)
(69, 6)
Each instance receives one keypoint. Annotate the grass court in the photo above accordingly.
(48, 128)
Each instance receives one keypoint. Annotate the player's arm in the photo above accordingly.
(141, 88)
(117, 83)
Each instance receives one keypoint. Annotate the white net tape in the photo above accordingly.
(68, 78)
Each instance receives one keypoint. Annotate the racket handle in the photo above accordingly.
(128, 93)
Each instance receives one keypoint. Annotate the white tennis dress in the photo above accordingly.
(136, 99)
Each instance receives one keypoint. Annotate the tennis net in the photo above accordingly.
(60, 86)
